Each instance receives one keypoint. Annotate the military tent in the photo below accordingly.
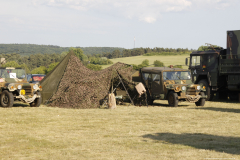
(71, 85)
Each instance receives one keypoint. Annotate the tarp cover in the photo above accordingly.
(71, 85)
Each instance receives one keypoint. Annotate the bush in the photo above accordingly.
(94, 67)
(39, 70)
(158, 63)
(176, 66)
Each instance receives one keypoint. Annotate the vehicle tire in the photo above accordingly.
(6, 99)
(201, 101)
(37, 102)
(208, 91)
(173, 99)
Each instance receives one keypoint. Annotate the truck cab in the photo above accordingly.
(204, 70)
(218, 69)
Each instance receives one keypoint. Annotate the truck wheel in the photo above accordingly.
(208, 91)
(37, 102)
(6, 99)
(201, 101)
(173, 99)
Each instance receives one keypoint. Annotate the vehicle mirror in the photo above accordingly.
(186, 61)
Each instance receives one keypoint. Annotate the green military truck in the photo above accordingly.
(14, 87)
(218, 69)
(172, 84)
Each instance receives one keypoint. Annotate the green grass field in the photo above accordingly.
(167, 60)
(128, 132)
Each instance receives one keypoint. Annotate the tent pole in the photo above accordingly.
(124, 87)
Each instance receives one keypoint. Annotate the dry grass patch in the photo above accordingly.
(167, 60)
(159, 132)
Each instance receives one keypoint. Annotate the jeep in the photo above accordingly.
(172, 84)
(14, 87)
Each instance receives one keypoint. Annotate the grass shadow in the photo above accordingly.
(232, 110)
(229, 145)
(21, 105)
(167, 105)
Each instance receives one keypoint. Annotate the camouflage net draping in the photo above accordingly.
(81, 87)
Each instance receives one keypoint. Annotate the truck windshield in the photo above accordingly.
(177, 75)
(12, 73)
(195, 61)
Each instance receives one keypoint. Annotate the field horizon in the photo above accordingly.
(167, 60)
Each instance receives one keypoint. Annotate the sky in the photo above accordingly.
(115, 23)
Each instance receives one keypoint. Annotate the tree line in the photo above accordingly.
(45, 62)
(29, 49)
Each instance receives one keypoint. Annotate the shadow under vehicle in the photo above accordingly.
(218, 69)
(35, 78)
(14, 87)
(172, 84)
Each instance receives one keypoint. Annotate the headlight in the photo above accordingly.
(183, 88)
(198, 87)
(19, 87)
(35, 86)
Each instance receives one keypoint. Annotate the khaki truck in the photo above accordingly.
(172, 84)
(14, 87)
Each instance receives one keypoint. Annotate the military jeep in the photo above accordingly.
(14, 87)
(172, 84)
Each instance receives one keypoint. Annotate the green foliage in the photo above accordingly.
(145, 62)
(206, 48)
(51, 67)
(29, 49)
(11, 64)
(135, 66)
(26, 68)
(79, 53)
(158, 63)
(94, 67)
(39, 70)
(177, 66)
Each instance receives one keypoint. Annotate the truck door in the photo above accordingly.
(211, 63)
(147, 77)
(156, 87)
(195, 66)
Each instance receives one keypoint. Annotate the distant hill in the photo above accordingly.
(28, 49)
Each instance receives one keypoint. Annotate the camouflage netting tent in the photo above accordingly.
(71, 85)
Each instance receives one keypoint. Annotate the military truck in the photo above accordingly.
(218, 69)
(14, 87)
(172, 84)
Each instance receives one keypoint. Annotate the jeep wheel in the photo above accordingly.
(6, 99)
(173, 99)
(37, 101)
(208, 91)
(201, 101)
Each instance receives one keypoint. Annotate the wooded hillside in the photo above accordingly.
(29, 49)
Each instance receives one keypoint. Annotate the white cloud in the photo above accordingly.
(144, 10)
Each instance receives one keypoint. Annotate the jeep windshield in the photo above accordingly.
(177, 75)
(12, 73)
